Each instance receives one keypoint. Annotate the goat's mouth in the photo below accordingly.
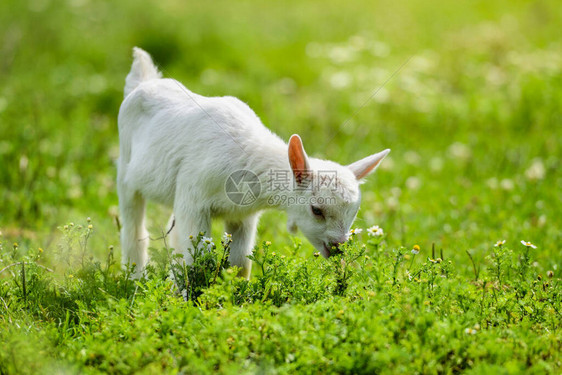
(325, 251)
(329, 250)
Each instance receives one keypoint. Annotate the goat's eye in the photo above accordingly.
(317, 211)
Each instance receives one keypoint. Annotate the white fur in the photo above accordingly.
(178, 149)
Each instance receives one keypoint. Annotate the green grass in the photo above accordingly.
(471, 113)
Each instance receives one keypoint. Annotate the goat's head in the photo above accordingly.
(326, 197)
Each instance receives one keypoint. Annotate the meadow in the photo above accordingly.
(467, 95)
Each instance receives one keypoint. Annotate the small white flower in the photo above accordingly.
(499, 243)
(226, 236)
(375, 231)
(435, 164)
(459, 151)
(507, 184)
(340, 80)
(528, 244)
(354, 231)
(470, 331)
(208, 241)
(392, 203)
(412, 157)
(341, 54)
(536, 171)
(413, 183)
(416, 249)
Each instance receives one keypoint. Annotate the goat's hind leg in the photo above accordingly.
(134, 236)
(243, 238)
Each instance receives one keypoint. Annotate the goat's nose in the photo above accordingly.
(340, 241)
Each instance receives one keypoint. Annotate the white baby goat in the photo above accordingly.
(179, 149)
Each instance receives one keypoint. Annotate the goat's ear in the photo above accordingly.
(363, 167)
(298, 160)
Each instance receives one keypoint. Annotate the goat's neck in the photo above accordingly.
(273, 169)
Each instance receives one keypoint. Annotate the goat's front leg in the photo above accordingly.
(243, 237)
(186, 224)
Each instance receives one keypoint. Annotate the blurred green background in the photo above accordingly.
(471, 109)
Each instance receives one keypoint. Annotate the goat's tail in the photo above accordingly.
(143, 69)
